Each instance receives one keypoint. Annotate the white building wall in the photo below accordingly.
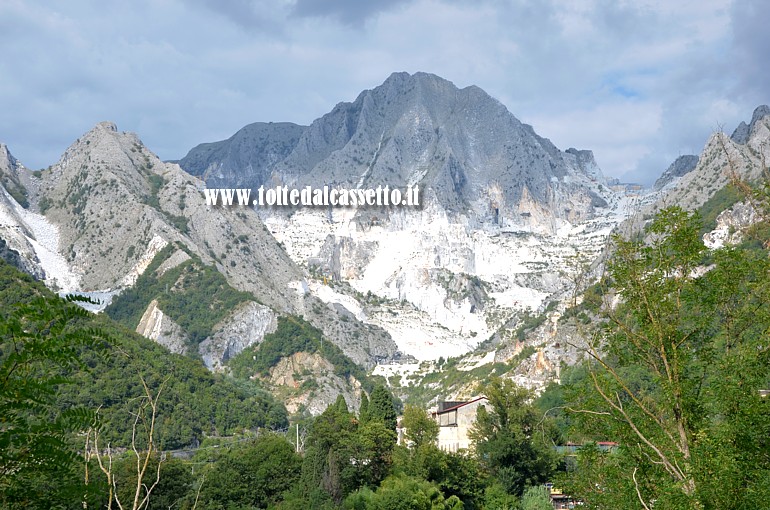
(453, 438)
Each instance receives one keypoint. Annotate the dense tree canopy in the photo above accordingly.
(252, 475)
(675, 375)
(512, 440)
(40, 341)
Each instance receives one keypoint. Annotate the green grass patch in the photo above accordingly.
(720, 201)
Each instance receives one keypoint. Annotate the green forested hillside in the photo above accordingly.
(194, 403)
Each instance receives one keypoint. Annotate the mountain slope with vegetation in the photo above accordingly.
(195, 404)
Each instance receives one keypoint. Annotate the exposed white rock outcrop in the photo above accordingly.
(246, 326)
(157, 326)
(437, 283)
(156, 244)
(731, 225)
(37, 241)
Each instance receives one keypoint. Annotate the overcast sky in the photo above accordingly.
(638, 82)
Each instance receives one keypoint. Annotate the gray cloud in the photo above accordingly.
(751, 46)
(260, 16)
(351, 12)
(637, 82)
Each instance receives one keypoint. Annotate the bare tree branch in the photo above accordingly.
(638, 493)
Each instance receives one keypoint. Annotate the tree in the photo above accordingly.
(536, 498)
(144, 455)
(401, 492)
(176, 487)
(254, 475)
(40, 341)
(371, 446)
(495, 496)
(512, 441)
(455, 473)
(382, 407)
(363, 410)
(420, 428)
(328, 452)
(676, 370)
(461, 476)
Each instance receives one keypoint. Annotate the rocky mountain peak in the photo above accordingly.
(459, 143)
(110, 206)
(760, 112)
(419, 129)
(681, 166)
(500, 205)
(248, 155)
(107, 126)
(743, 131)
(7, 162)
(101, 145)
(723, 158)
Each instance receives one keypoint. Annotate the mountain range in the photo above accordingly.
(461, 145)
(482, 270)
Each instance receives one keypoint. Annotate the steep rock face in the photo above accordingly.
(97, 195)
(247, 326)
(731, 225)
(439, 283)
(109, 205)
(721, 160)
(681, 166)
(248, 156)
(461, 144)
(15, 232)
(502, 210)
(11, 256)
(309, 384)
(29, 238)
(17, 237)
(115, 202)
(742, 133)
(155, 325)
(12, 176)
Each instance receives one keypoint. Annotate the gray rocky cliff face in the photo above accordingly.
(103, 196)
(501, 209)
(681, 166)
(289, 374)
(12, 175)
(110, 205)
(743, 132)
(116, 204)
(17, 238)
(721, 160)
(29, 241)
(248, 156)
(731, 225)
(155, 325)
(245, 327)
(421, 129)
